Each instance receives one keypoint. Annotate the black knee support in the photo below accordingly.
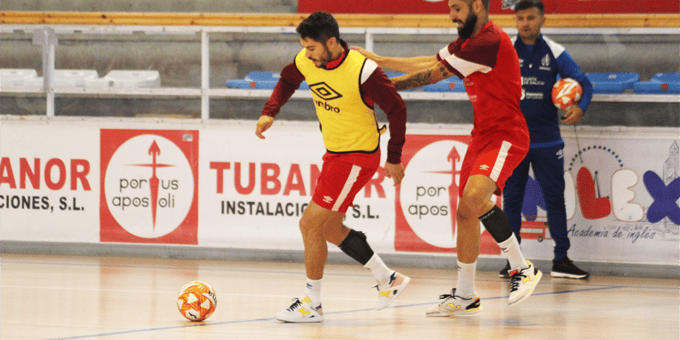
(496, 223)
(356, 247)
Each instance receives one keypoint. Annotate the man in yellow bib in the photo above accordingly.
(345, 86)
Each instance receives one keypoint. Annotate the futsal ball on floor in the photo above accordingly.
(566, 93)
(196, 301)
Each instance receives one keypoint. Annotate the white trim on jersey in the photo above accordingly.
(444, 52)
(369, 67)
(556, 48)
(351, 179)
(465, 67)
(500, 160)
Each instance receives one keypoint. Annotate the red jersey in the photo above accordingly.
(489, 66)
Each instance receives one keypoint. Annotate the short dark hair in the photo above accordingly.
(484, 2)
(526, 4)
(319, 26)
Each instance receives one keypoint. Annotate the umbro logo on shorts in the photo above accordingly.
(328, 199)
(484, 167)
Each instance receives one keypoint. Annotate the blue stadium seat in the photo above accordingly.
(267, 80)
(613, 82)
(450, 84)
(667, 77)
(661, 83)
(256, 80)
(260, 75)
(394, 74)
(253, 84)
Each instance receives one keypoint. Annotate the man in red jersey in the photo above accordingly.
(485, 58)
(344, 85)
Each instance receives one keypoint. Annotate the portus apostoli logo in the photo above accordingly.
(149, 186)
(428, 197)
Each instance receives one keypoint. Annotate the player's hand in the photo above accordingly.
(263, 125)
(573, 116)
(368, 54)
(395, 172)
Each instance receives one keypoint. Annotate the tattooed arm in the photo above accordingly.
(407, 65)
(425, 70)
(429, 76)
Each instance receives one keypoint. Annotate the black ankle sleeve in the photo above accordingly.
(356, 247)
(496, 223)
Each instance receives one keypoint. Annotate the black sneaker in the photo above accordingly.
(504, 273)
(566, 269)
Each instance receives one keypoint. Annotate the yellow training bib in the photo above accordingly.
(348, 124)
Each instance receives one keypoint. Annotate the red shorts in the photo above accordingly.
(341, 178)
(496, 159)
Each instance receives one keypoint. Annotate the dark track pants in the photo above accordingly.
(548, 166)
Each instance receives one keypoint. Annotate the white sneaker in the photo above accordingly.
(390, 291)
(301, 311)
(453, 304)
(522, 283)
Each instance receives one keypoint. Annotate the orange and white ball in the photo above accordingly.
(566, 93)
(196, 301)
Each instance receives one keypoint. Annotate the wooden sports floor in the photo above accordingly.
(78, 297)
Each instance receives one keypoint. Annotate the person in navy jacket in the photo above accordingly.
(542, 63)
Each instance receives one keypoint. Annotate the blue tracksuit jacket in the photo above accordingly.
(541, 67)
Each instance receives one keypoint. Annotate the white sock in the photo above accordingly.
(379, 269)
(511, 249)
(313, 290)
(466, 279)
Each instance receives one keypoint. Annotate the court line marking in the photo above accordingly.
(297, 272)
(261, 271)
(329, 313)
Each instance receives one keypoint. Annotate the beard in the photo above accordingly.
(468, 26)
(324, 58)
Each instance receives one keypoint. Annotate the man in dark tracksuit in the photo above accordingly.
(542, 61)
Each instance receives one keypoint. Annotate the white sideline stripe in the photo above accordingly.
(500, 160)
(353, 175)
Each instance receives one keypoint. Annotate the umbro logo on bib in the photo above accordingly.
(324, 91)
